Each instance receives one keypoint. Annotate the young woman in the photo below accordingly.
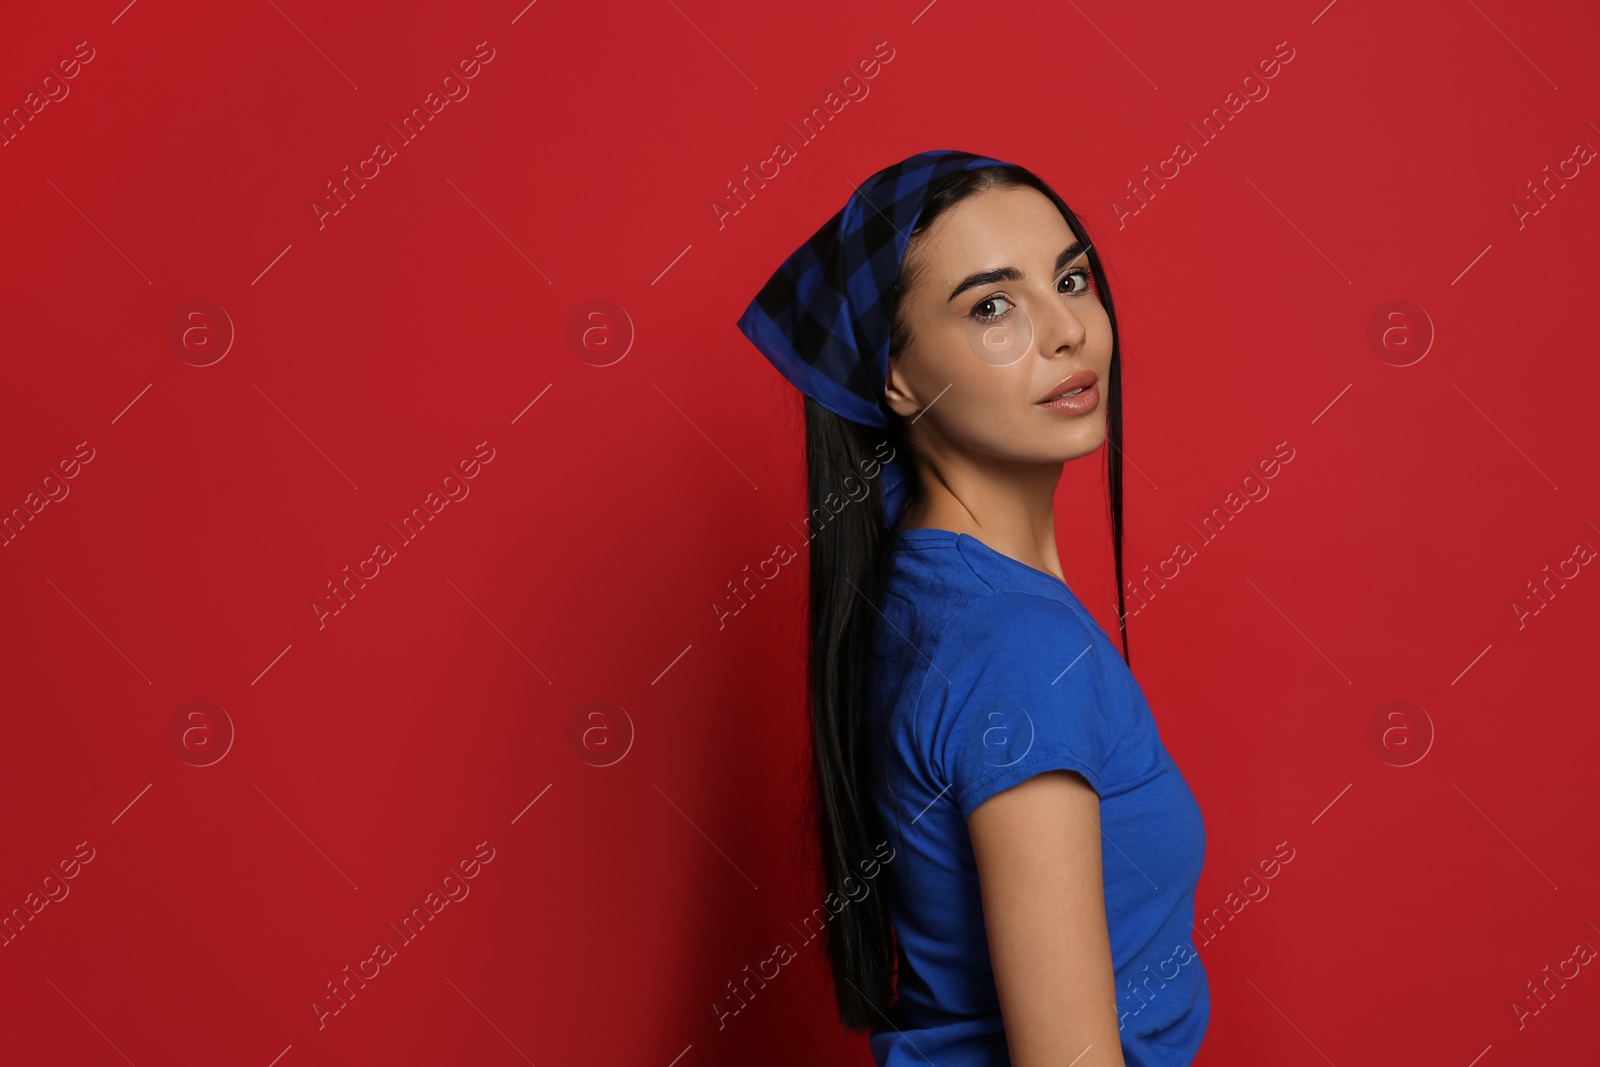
(980, 746)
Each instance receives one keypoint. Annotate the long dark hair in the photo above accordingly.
(849, 562)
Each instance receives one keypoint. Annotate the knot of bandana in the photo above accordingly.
(820, 319)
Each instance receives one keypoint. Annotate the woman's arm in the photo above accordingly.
(1037, 847)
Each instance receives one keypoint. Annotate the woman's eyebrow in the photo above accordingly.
(1011, 274)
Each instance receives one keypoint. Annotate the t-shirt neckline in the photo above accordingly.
(934, 533)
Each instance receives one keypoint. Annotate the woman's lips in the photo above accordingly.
(1075, 404)
(1065, 401)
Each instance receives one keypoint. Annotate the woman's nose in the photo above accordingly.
(1056, 325)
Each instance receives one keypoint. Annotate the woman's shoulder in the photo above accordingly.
(1018, 683)
(956, 613)
(1002, 622)
(952, 575)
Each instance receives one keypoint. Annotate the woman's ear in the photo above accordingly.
(897, 391)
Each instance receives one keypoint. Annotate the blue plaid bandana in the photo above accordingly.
(820, 319)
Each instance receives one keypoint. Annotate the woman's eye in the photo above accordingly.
(1082, 275)
(992, 308)
(985, 310)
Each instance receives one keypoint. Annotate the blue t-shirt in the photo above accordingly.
(988, 672)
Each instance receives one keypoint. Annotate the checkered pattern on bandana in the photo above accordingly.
(820, 318)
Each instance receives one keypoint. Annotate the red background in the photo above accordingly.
(373, 352)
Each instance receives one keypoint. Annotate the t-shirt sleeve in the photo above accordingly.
(1016, 687)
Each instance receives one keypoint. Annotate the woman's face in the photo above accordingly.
(1002, 315)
